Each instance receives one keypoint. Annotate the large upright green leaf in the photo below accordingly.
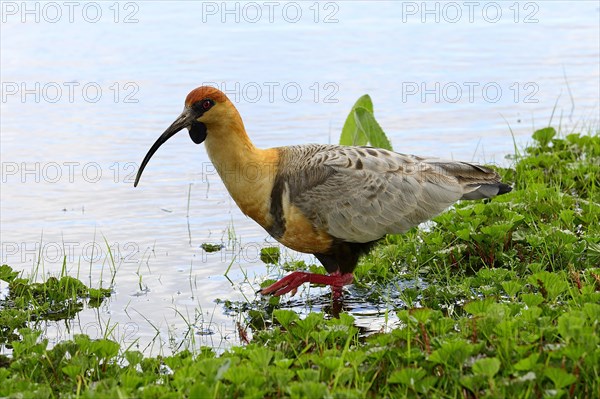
(368, 126)
(361, 127)
(350, 133)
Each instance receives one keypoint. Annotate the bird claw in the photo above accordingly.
(287, 284)
(291, 283)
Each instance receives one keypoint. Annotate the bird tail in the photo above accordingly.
(486, 190)
(477, 182)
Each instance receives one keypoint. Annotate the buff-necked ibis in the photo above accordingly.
(328, 200)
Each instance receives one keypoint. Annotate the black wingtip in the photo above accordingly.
(482, 191)
(503, 188)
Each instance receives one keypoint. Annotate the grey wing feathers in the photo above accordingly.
(359, 194)
(478, 182)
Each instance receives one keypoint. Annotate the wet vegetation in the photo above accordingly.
(506, 303)
(31, 302)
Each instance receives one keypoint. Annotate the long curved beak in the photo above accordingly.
(184, 120)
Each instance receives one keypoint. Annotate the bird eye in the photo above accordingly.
(206, 104)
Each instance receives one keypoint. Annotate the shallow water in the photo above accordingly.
(85, 92)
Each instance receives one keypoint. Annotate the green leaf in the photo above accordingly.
(407, 376)
(240, 374)
(368, 127)
(553, 284)
(330, 363)
(497, 232)
(422, 314)
(543, 136)
(479, 307)
(200, 390)
(571, 325)
(512, 287)
(532, 299)
(307, 389)
(71, 370)
(133, 357)
(307, 325)
(361, 127)
(283, 363)
(207, 247)
(320, 336)
(7, 274)
(592, 311)
(464, 234)
(487, 366)
(104, 348)
(350, 134)
(285, 317)
(308, 375)
(261, 357)
(270, 255)
(452, 353)
(559, 377)
(528, 363)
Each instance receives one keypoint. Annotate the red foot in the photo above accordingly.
(296, 279)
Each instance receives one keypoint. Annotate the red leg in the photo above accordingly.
(296, 279)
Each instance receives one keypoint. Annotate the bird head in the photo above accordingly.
(204, 107)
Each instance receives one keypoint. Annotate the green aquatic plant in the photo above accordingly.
(361, 127)
(54, 299)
